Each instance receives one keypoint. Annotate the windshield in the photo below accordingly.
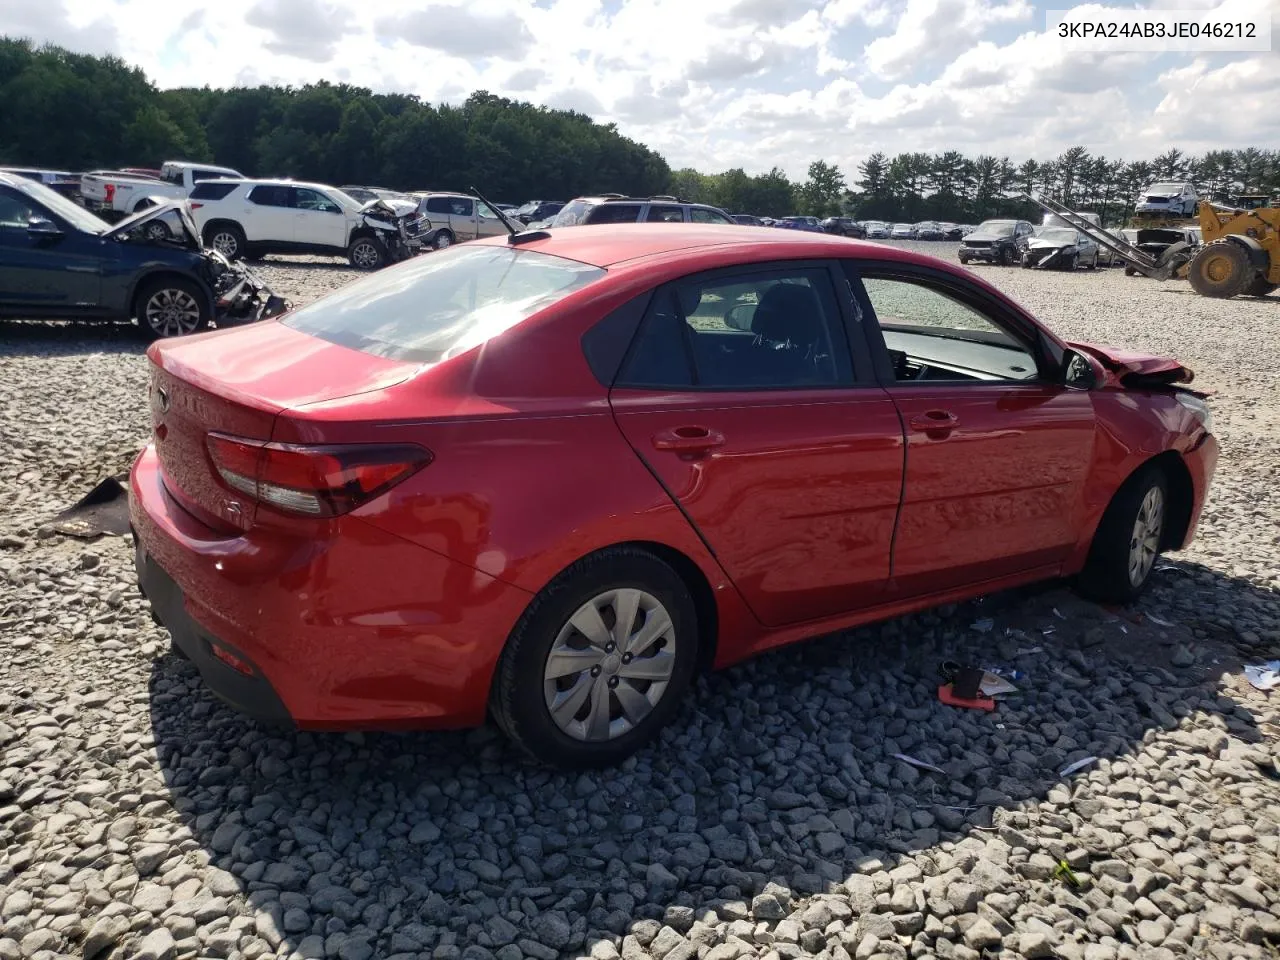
(573, 213)
(1167, 188)
(74, 214)
(433, 308)
(1000, 228)
(1059, 235)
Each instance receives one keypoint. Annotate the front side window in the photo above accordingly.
(304, 198)
(486, 211)
(771, 330)
(663, 213)
(461, 206)
(269, 195)
(933, 336)
(573, 213)
(433, 308)
(15, 210)
(615, 213)
(707, 215)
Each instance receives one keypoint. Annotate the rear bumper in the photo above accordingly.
(345, 626)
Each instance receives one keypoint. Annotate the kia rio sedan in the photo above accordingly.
(550, 477)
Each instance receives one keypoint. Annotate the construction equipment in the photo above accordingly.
(1241, 252)
(1161, 268)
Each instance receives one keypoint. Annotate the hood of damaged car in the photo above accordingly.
(392, 208)
(180, 210)
(1135, 369)
(1041, 243)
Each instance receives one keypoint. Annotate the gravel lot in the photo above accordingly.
(141, 818)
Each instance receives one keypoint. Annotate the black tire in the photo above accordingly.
(226, 238)
(1092, 264)
(1107, 575)
(1221, 269)
(518, 696)
(1007, 257)
(1073, 263)
(1130, 272)
(171, 306)
(964, 261)
(1260, 287)
(442, 240)
(367, 253)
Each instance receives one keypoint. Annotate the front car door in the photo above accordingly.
(489, 224)
(741, 396)
(998, 448)
(47, 266)
(664, 213)
(319, 220)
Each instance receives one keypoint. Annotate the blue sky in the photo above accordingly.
(718, 83)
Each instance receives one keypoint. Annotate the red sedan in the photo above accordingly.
(552, 476)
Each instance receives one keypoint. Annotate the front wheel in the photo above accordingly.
(1221, 269)
(171, 307)
(599, 662)
(443, 239)
(1128, 540)
(366, 253)
(1007, 256)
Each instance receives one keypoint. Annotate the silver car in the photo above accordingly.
(457, 217)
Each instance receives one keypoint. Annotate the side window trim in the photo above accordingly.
(857, 364)
(970, 296)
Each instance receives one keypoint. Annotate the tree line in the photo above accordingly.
(79, 112)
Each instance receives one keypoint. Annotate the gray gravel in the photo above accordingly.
(141, 818)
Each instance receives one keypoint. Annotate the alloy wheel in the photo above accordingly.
(443, 240)
(1144, 544)
(365, 255)
(226, 243)
(172, 312)
(610, 665)
(156, 231)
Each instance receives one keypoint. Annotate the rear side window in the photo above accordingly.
(269, 196)
(771, 330)
(615, 213)
(212, 190)
(437, 307)
(707, 215)
(461, 206)
(661, 213)
(439, 205)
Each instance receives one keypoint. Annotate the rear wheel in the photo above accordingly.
(1007, 257)
(599, 661)
(226, 238)
(171, 307)
(1260, 287)
(1130, 272)
(1221, 269)
(1128, 540)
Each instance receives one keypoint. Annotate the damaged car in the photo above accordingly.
(997, 241)
(1060, 248)
(58, 261)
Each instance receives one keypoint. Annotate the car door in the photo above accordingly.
(664, 213)
(998, 449)
(318, 219)
(462, 218)
(266, 216)
(488, 223)
(47, 266)
(740, 396)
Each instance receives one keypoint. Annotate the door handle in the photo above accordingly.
(691, 439)
(935, 421)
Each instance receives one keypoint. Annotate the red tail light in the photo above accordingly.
(110, 191)
(196, 206)
(313, 481)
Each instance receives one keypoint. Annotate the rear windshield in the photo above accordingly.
(440, 305)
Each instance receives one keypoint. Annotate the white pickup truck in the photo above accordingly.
(116, 195)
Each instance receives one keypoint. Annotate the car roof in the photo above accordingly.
(605, 245)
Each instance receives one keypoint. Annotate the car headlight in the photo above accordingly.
(1199, 408)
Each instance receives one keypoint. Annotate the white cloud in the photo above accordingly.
(714, 83)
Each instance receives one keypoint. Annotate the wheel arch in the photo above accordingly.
(215, 222)
(148, 277)
(1257, 255)
(1181, 496)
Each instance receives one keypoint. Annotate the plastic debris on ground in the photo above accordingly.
(1064, 872)
(993, 685)
(103, 510)
(1156, 620)
(1263, 676)
(963, 687)
(919, 763)
(1079, 765)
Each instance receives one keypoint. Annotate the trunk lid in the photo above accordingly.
(1134, 369)
(236, 382)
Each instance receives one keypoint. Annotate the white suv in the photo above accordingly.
(1177, 198)
(251, 218)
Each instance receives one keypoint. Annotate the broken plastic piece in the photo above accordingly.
(1064, 872)
(948, 697)
(983, 625)
(1154, 619)
(994, 685)
(919, 763)
(1071, 768)
(1263, 676)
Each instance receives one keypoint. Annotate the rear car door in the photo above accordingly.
(267, 214)
(318, 219)
(462, 218)
(48, 271)
(998, 449)
(664, 213)
(741, 396)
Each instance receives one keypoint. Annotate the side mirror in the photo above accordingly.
(1078, 371)
(42, 227)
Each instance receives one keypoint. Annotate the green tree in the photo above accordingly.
(820, 195)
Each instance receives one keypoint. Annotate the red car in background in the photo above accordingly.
(552, 476)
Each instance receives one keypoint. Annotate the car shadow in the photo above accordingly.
(780, 770)
(28, 337)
